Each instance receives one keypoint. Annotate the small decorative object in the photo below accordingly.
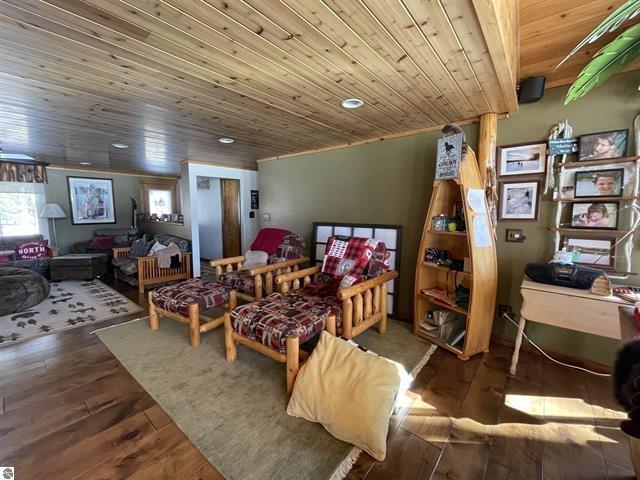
(180, 218)
(203, 184)
(452, 226)
(597, 215)
(599, 183)
(255, 200)
(593, 251)
(522, 159)
(602, 286)
(435, 255)
(519, 200)
(439, 223)
(449, 156)
(91, 200)
(601, 145)
(25, 171)
(563, 257)
(567, 192)
(563, 146)
(153, 217)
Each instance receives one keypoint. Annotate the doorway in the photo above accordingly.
(230, 201)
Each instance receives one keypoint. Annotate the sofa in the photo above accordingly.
(123, 238)
(40, 265)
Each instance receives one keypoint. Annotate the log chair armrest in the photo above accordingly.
(298, 274)
(366, 285)
(223, 262)
(277, 266)
(121, 252)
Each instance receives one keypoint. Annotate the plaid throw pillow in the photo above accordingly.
(350, 258)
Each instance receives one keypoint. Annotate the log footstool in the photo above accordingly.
(185, 300)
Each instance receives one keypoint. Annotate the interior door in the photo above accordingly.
(230, 193)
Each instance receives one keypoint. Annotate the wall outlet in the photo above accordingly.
(515, 235)
(502, 309)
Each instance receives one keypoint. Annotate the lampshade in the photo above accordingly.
(52, 210)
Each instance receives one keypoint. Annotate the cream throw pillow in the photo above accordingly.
(254, 259)
(350, 392)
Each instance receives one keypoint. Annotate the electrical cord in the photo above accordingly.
(506, 315)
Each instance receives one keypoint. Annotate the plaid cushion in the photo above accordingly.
(177, 297)
(353, 259)
(271, 320)
(292, 246)
(126, 265)
(239, 281)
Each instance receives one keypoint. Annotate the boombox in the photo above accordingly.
(572, 276)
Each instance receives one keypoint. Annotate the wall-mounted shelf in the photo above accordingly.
(453, 234)
(591, 163)
(181, 224)
(444, 268)
(599, 231)
(595, 199)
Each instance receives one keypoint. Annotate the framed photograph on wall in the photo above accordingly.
(597, 252)
(596, 215)
(599, 183)
(522, 159)
(601, 145)
(91, 200)
(519, 200)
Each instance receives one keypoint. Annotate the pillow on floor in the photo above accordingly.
(350, 392)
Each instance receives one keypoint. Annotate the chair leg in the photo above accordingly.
(382, 327)
(233, 300)
(230, 344)
(331, 325)
(293, 361)
(194, 324)
(154, 320)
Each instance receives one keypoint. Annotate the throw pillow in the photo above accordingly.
(102, 243)
(254, 259)
(336, 374)
(139, 247)
(7, 256)
(33, 250)
(155, 247)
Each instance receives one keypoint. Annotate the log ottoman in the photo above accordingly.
(184, 303)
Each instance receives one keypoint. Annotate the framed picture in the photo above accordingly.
(519, 200)
(599, 183)
(598, 215)
(255, 199)
(598, 252)
(91, 200)
(601, 145)
(522, 159)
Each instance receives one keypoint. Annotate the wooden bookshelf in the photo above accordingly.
(482, 282)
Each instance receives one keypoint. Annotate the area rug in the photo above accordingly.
(235, 412)
(70, 304)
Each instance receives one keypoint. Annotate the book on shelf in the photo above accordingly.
(456, 338)
(439, 294)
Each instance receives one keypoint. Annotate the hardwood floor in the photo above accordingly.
(69, 410)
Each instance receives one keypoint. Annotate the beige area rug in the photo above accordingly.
(71, 304)
(235, 412)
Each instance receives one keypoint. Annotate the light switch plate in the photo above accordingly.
(515, 235)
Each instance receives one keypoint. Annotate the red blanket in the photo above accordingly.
(268, 240)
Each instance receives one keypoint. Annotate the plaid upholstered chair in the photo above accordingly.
(345, 295)
(285, 253)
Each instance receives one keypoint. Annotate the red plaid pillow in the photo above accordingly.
(350, 258)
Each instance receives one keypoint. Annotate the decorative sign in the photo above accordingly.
(33, 250)
(563, 146)
(255, 200)
(449, 156)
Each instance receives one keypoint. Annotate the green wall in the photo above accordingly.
(390, 182)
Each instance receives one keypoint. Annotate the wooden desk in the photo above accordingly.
(570, 308)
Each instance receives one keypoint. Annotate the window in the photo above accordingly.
(159, 198)
(19, 214)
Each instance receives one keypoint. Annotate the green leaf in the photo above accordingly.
(627, 11)
(611, 59)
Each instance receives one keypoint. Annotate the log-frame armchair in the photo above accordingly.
(150, 274)
(262, 276)
(363, 304)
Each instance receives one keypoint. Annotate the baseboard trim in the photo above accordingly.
(563, 357)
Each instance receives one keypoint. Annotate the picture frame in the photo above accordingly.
(603, 145)
(522, 159)
(255, 200)
(91, 200)
(599, 183)
(597, 252)
(595, 215)
(519, 200)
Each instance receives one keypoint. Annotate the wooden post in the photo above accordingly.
(258, 286)
(233, 300)
(331, 325)
(293, 361)
(382, 327)
(231, 351)
(347, 318)
(154, 320)
(194, 324)
(487, 141)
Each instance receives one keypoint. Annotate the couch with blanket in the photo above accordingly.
(28, 251)
(144, 263)
(104, 240)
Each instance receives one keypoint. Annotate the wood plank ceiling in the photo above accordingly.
(170, 77)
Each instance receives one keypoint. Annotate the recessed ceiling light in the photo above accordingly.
(352, 103)
(119, 145)
(226, 140)
(85, 163)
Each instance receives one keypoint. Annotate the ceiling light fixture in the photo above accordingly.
(119, 145)
(226, 140)
(85, 163)
(352, 103)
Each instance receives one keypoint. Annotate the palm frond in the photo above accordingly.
(627, 11)
(611, 59)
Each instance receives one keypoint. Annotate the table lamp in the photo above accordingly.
(53, 211)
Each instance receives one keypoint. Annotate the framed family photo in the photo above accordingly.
(596, 215)
(602, 145)
(594, 251)
(599, 183)
(522, 159)
(519, 200)
(91, 200)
